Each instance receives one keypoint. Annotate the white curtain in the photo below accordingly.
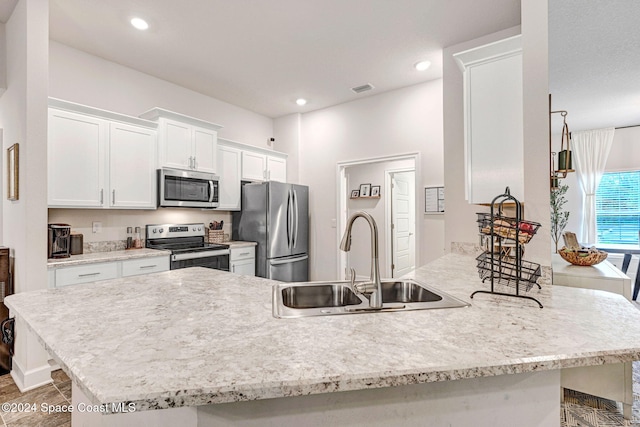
(590, 151)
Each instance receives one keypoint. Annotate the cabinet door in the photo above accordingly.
(246, 267)
(132, 171)
(205, 142)
(76, 167)
(175, 145)
(229, 169)
(276, 169)
(254, 166)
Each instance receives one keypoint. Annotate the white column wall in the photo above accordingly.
(23, 118)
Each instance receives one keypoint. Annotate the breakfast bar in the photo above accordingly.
(201, 347)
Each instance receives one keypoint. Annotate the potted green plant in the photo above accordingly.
(559, 217)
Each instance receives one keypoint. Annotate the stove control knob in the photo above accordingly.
(153, 231)
(199, 228)
(161, 231)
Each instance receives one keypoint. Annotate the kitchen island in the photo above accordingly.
(201, 347)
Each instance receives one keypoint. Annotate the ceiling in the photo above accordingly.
(594, 64)
(263, 55)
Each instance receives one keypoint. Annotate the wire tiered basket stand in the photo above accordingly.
(503, 238)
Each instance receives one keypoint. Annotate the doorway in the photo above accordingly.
(379, 172)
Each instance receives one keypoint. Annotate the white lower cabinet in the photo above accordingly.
(243, 260)
(135, 267)
(87, 273)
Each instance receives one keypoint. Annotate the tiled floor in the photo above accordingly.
(58, 393)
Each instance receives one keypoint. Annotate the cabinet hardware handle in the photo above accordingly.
(88, 274)
(195, 166)
(113, 197)
(147, 266)
(101, 196)
(244, 253)
(233, 268)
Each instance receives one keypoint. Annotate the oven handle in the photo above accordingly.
(195, 255)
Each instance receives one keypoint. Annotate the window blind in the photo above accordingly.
(618, 208)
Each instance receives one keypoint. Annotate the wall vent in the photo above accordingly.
(363, 88)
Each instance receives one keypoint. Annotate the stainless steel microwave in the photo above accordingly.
(187, 189)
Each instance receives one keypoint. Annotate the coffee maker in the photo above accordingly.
(59, 240)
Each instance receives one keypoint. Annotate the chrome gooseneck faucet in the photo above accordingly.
(373, 288)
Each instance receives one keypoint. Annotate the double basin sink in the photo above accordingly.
(331, 298)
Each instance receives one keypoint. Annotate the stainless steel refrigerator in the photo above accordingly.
(276, 215)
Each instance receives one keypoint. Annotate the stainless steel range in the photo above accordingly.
(187, 245)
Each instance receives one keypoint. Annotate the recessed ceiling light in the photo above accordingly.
(423, 65)
(139, 23)
(301, 101)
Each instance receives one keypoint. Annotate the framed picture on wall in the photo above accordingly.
(355, 194)
(365, 190)
(375, 191)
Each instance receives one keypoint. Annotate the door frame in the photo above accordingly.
(343, 195)
(388, 214)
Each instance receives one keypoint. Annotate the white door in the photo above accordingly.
(403, 222)
(205, 142)
(132, 153)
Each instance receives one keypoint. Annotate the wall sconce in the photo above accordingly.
(564, 155)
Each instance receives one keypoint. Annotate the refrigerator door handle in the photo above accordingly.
(288, 260)
(289, 220)
(295, 210)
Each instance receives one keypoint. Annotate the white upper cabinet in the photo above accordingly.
(76, 161)
(132, 174)
(185, 142)
(99, 159)
(259, 166)
(229, 167)
(493, 119)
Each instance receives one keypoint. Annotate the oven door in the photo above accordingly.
(217, 260)
(189, 189)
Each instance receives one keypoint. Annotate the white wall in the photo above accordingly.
(397, 122)
(23, 118)
(460, 218)
(86, 79)
(359, 257)
(286, 131)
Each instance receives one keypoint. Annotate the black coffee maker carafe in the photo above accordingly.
(59, 240)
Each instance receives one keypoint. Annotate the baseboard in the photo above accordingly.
(33, 378)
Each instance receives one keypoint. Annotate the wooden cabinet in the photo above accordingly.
(93, 272)
(258, 166)
(185, 142)
(243, 260)
(493, 119)
(99, 159)
(229, 169)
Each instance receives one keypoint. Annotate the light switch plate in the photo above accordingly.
(333, 223)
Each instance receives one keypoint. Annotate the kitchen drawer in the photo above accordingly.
(242, 253)
(86, 273)
(138, 266)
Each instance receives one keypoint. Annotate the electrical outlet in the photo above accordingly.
(333, 223)
(97, 227)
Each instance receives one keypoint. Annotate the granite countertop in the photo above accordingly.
(198, 336)
(110, 256)
(237, 244)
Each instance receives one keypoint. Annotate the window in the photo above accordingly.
(618, 208)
